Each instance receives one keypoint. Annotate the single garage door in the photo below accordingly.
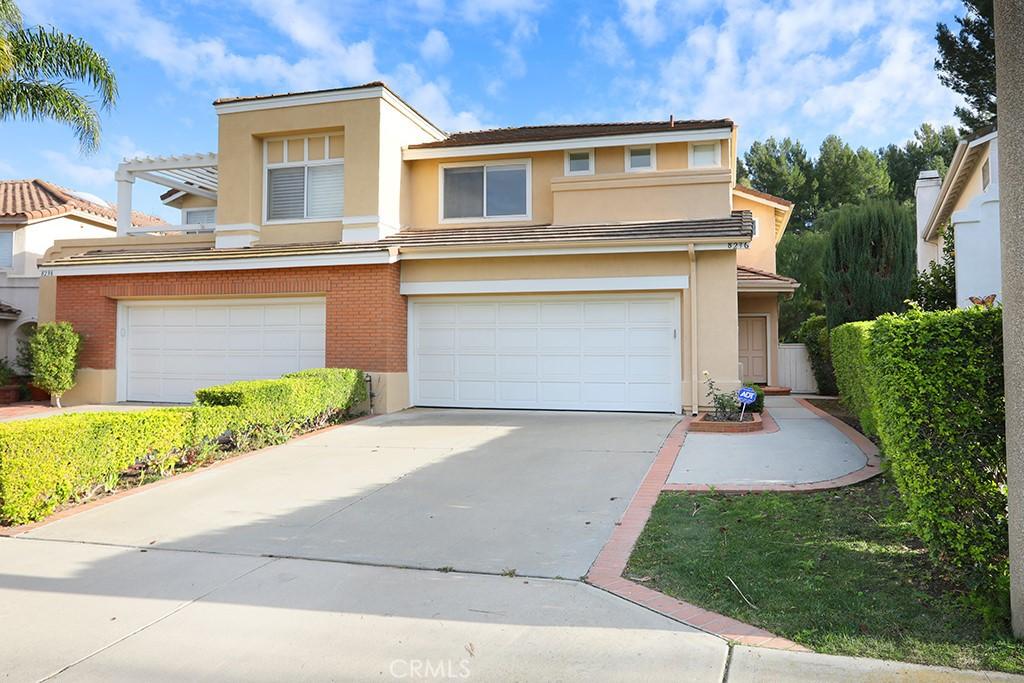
(172, 348)
(563, 352)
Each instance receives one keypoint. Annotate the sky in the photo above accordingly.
(802, 68)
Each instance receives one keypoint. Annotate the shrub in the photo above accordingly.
(849, 346)
(813, 334)
(938, 383)
(934, 289)
(46, 462)
(54, 352)
(869, 262)
(6, 373)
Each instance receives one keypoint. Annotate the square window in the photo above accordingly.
(639, 158)
(464, 192)
(703, 154)
(579, 162)
(305, 180)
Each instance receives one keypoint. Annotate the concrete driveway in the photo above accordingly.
(318, 560)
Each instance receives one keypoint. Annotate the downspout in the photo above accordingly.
(694, 372)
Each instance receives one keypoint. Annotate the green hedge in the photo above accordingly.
(938, 391)
(48, 461)
(849, 346)
(813, 334)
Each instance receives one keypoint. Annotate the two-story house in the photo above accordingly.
(596, 267)
(33, 215)
(964, 204)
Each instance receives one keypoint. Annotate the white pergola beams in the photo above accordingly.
(192, 173)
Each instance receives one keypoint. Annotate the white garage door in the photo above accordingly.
(566, 352)
(168, 349)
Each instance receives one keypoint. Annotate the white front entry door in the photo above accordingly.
(168, 349)
(563, 352)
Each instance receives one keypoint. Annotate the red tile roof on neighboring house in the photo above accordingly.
(763, 195)
(34, 199)
(568, 131)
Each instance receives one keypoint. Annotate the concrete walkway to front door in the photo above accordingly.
(806, 448)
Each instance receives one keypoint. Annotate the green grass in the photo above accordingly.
(836, 572)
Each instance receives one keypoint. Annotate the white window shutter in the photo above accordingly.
(326, 191)
(286, 190)
(6, 249)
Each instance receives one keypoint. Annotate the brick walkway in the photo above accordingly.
(607, 570)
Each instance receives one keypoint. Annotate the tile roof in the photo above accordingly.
(34, 199)
(251, 98)
(754, 278)
(739, 227)
(208, 251)
(8, 312)
(567, 131)
(763, 195)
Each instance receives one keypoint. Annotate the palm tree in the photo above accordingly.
(38, 66)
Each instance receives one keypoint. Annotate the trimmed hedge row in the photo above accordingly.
(849, 344)
(48, 461)
(933, 383)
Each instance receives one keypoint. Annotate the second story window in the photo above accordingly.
(203, 216)
(704, 154)
(499, 190)
(305, 178)
(579, 162)
(640, 158)
(986, 175)
(6, 249)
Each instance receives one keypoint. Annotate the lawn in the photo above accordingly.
(835, 571)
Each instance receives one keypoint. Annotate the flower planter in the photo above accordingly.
(37, 394)
(10, 393)
(702, 424)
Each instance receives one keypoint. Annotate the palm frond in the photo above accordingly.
(10, 15)
(26, 99)
(42, 54)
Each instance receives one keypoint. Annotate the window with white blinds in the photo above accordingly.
(306, 183)
(203, 216)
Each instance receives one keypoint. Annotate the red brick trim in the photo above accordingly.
(606, 572)
(872, 467)
(702, 424)
(10, 531)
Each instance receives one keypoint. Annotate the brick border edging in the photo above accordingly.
(704, 426)
(12, 531)
(606, 572)
(872, 466)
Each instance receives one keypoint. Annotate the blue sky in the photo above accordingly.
(805, 68)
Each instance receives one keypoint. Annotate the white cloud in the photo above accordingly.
(435, 47)
(605, 42)
(641, 17)
(477, 11)
(433, 99)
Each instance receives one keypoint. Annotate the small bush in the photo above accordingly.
(938, 387)
(46, 462)
(54, 352)
(813, 334)
(849, 345)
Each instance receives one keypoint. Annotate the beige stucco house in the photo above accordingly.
(594, 267)
(33, 215)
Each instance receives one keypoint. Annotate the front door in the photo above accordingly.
(754, 349)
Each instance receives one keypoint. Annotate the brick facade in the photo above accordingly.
(366, 315)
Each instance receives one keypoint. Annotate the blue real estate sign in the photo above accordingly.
(746, 395)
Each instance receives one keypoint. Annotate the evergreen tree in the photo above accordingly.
(782, 168)
(967, 63)
(847, 176)
(869, 262)
(929, 149)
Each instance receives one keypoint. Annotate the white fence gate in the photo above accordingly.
(795, 369)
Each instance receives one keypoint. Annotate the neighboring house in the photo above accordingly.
(33, 215)
(597, 266)
(967, 201)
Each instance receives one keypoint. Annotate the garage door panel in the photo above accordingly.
(174, 348)
(589, 352)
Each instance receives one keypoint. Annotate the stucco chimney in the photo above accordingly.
(926, 193)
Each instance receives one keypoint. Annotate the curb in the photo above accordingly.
(606, 572)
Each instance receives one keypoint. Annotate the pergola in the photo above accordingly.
(192, 173)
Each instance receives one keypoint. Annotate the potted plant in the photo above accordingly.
(10, 392)
(727, 413)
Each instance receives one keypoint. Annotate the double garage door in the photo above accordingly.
(568, 352)
(167, 350)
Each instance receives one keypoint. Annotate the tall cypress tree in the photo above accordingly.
(869, 262)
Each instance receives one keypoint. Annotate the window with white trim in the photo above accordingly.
(305, 178)
(579, 162)
(479, 191)
(986, 175)
(704, 154)
(206, 215)
(7, 249)
(640, 158)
